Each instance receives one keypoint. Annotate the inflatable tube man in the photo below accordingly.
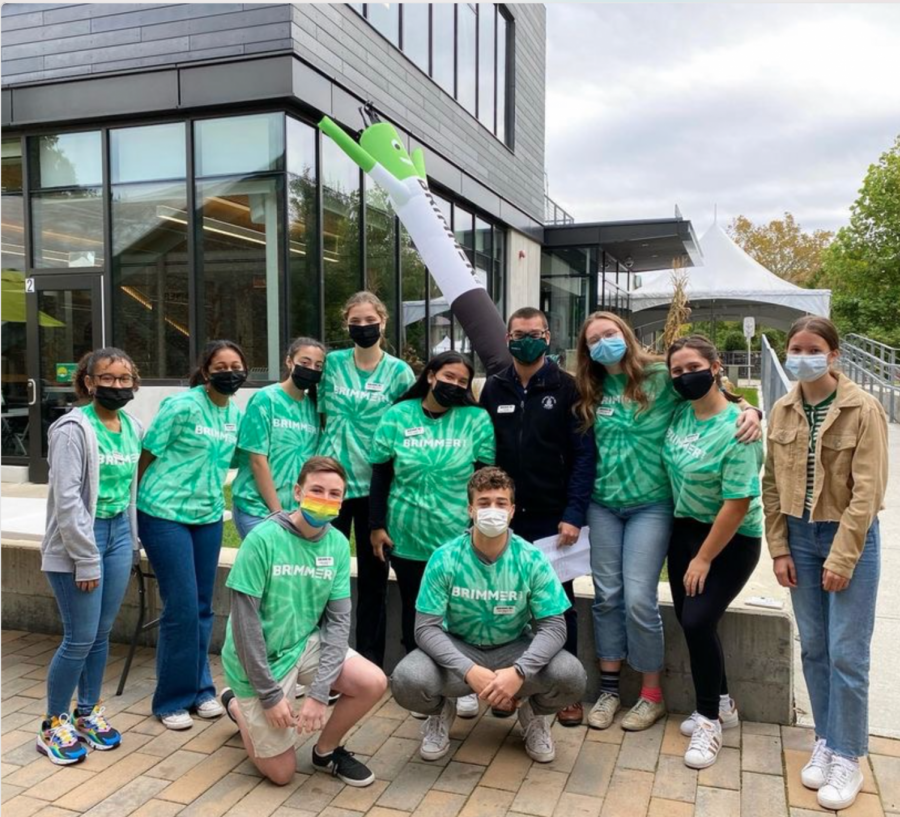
(381, 154)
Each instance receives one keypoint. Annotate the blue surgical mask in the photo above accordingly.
(609, 350)
(806, 368)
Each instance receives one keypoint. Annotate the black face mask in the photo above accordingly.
(112, 398)
(448, 394)
(305, 378)
(694, 385)
(365, 334)
(228, 382)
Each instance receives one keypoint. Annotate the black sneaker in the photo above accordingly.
(344, 767)
(227, 697)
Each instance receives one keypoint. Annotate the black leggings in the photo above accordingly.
(371, 581)
(409, 574)
(699, 616)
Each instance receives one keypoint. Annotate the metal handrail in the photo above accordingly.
(874, 367)
(774, 383)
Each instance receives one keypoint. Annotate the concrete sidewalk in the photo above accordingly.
(204, 772)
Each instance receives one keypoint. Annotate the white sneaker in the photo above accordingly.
(603, 713)
(181, 719)
(843, 784)
(436, 732)
(299, 690)
(210, 709)
(419, 716)
(467, 706)
(814, 774)
(706, 741)
(728, 718)
(538, 743)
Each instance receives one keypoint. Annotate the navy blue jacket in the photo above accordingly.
(539, 444)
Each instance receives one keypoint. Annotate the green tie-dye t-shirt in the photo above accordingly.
(294, 579)
(193, 441)
(707, 465)
(630, 470)
(284, 430)
(353, 402)
(433, 461)
(119, 454)
(490, 604)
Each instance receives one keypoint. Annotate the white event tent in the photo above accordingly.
(729, 285)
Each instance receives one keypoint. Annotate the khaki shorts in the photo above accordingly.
(269, 741)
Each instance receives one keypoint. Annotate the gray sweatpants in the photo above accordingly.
(420, 685)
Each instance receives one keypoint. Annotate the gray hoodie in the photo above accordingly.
(68, 545)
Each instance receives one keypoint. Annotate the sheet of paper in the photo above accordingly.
(568, 562)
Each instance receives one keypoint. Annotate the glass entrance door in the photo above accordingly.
(64, 322)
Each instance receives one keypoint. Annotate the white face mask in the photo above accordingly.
(492, 521)
(806, 367)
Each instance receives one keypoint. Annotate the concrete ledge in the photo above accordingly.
(757, 643)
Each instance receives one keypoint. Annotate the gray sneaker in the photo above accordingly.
(436, 732)
(604, 711)
(643, 715)
(538, 743)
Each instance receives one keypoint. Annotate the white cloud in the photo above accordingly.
(761, 108)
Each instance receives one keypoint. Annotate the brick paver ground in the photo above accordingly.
(204, 772)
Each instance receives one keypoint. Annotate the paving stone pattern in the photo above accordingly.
(204, 771)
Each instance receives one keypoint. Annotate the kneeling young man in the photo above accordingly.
(289, 624)
(489, 619)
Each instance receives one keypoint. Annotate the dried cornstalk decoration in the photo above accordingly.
(679, 311)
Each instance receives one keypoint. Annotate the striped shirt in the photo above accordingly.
(815, 416)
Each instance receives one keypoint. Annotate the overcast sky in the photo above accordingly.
(756, 108)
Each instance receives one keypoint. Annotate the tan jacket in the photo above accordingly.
(851, 471)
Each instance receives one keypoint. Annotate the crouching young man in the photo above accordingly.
(489, 619)
(289, 624)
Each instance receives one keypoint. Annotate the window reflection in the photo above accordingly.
(68, 228)
(465, 62)
(238, 240)
(486, 73)
(303, 241)
(413, 313)
(66, 160)
(239, 144)
(416, 33)
(147, 154)
(443, 25)
(381, 247)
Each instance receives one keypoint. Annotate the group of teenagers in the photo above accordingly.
(652, 453)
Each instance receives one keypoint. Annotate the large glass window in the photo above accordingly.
(466, 33)
(416, 38)
(486, 68)
(12, 299)
(463, 47)
(385, 17)
(565, 287)
(381, 248)
(238, 239)
(239, 144)
(413, 309)
(340, 237)
(67, 202)
(147, 154)
(443, 26)
(303, 233)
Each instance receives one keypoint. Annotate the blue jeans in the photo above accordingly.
(185, 559)
(245, 522)
(87, 619)
(628, 548)
(835, 633)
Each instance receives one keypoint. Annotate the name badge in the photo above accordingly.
(414, 432)
(504, 610)
(691, 438)
(230, 426)
(324, 561)
(505, 409)
(374, 386)
(605, 411)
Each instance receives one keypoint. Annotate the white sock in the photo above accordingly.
(725, 703)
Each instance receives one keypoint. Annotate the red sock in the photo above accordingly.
(652, 694)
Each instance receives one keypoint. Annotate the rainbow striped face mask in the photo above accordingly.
(319, 512)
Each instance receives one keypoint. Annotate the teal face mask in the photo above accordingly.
(527, 350)
(609, 350)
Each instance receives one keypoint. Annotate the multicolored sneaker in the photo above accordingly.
(95, 730)
(57, 740)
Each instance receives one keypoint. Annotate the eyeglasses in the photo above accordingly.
(126, 381)
(533, 335)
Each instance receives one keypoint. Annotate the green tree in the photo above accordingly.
(782, 246)
(862, 265)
